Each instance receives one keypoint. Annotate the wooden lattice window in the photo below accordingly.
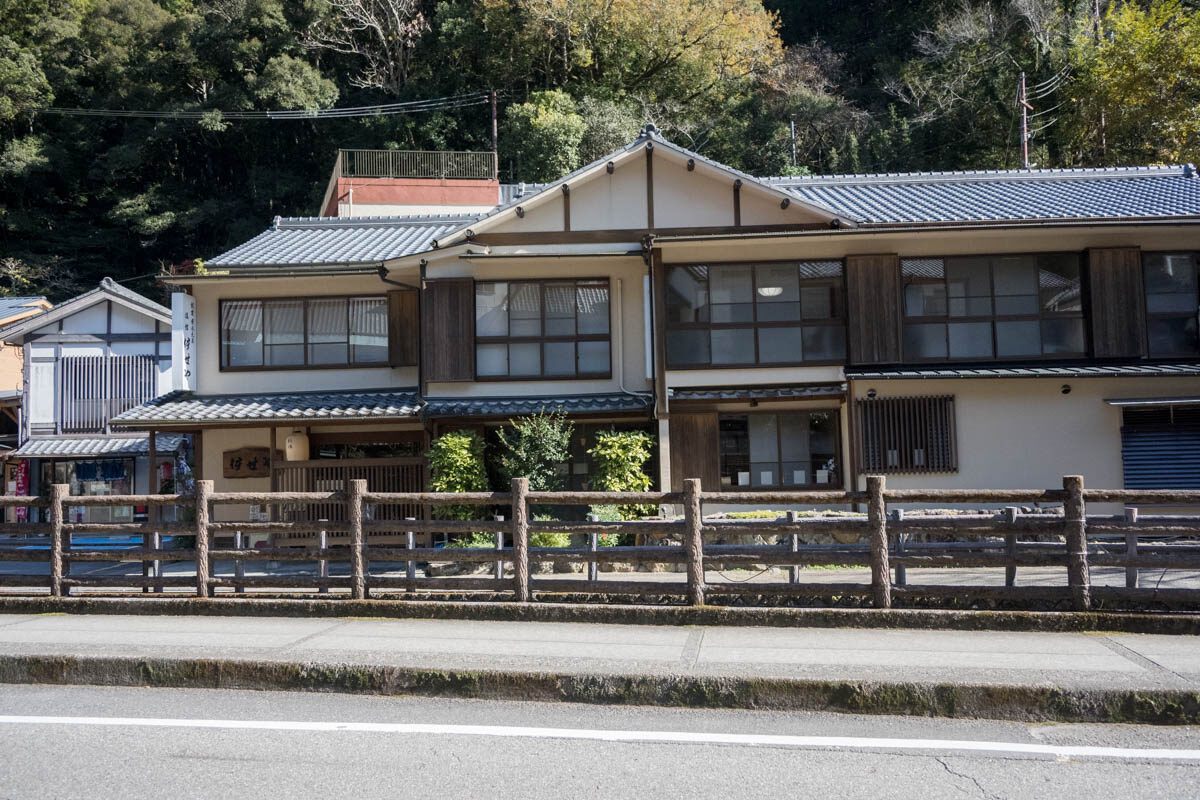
(906, 435)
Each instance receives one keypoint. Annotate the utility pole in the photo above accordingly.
(1023, 102)
(792, 122)
(495, 135)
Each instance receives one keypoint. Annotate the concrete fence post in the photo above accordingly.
(1075, 532)
(593, 567)
(693, 540)
(410, 568)
(1131, 549)
(794, 569)
(499, 540)
(239, 566)
(881, 574)
(520, 539)
(58, 502)
(901, 541)
(323, 564)
(1010, 546)
(358, 543)
(203, 490)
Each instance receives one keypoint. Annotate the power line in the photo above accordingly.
(387, 109)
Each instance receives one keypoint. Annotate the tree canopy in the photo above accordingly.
(892, 85)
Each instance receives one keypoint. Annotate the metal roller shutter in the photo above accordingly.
(1160, 448)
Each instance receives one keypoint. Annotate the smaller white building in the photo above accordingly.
(85, 361)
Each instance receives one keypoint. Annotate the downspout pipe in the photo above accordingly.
(383, 276)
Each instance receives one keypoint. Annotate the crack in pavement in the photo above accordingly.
(1130, 654)
(972, 779)
(691, 648)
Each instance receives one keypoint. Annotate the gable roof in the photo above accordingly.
(340, 241)
(648, 138)
(108, 289)
(1005, 195)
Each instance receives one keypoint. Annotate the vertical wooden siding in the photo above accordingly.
(403, 328)
(97, 388)
(873, 308)
(448, 330)
(695, 450)
(1118, 309)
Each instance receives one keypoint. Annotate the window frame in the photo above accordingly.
(905, 320)
(812, 485)
(897, 414)
(543, 339)
(838, 306)
(223, 348)
(1157, 315)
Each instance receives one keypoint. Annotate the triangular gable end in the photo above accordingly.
(651, 185)
(129, 310)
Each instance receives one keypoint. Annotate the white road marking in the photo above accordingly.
(672, 737)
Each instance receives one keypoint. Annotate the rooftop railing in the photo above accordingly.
(452, 164)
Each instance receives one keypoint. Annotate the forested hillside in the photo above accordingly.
(870, 85)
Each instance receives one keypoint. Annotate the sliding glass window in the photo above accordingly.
(778, 313)
(1171, 303)
(541, 329)
(793, 450)
(304, 333)
(993, 307)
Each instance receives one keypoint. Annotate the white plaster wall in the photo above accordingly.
(126, 320)
(1025, 433)
(685, 199)
(611, 202)
(211, 380)
(93, 319)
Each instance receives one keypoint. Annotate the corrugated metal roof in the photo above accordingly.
(1139, 370)
(12, 306)
(617, 402)
(79, 446)
(179, 408)
(1002, 195)
(314, 241)
(799, 392)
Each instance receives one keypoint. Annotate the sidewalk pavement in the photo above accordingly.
(1067, 662)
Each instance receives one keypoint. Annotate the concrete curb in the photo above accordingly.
(1025, 703)
(923, 619)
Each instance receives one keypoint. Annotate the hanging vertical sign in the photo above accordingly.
(183, 341)
(22, 489)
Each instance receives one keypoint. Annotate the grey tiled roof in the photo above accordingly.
(798, 392)
(314, 241)
(1137, 370)
(998, 195)
(180, 408)
(616, 402)
(78, 446)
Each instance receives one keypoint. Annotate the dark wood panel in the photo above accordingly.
(404, 328)
(448, 330)
(695, 444)
(1118, 309)
(873, 308)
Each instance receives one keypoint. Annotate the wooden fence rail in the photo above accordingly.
(889, 543)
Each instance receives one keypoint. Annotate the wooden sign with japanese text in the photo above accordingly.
(247, 462)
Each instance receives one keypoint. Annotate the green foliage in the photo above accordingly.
(536, 447)
(618, 465)
(289, 83)
(549, 539)
(544, 135)
(456, 465)
(608, 126)
(479, 540)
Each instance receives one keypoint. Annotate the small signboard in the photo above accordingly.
(247, 462)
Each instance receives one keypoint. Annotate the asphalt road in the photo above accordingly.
(131, 743)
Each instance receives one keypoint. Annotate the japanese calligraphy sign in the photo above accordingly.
(183, 341)
(246, 462)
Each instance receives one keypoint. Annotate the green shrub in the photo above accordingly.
(456, 465)
(618, 465)
(479, 539)
(535, 447)
(549, 539)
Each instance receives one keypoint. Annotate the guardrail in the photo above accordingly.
(892, 544)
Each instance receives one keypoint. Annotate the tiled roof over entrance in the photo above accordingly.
(1137, 370)
(82, 446)
(617, 402)
(184, 408)
(732, 393)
